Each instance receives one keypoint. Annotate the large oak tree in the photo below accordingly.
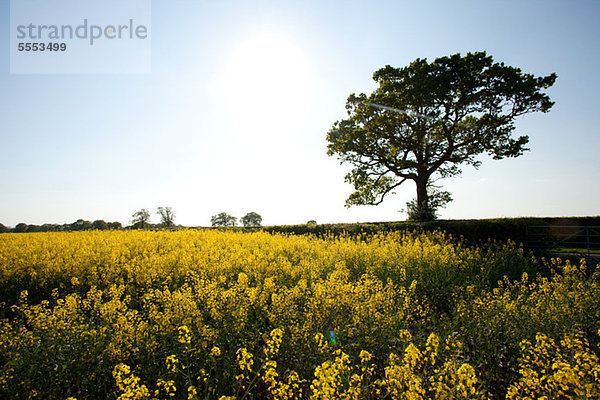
(435, 118)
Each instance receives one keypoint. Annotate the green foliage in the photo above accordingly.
(223, 219)
(209, 312)
(79, 225)
(251, 219)
(428, 212)
(167, 216)
(99, 224)
(140, 218)
(20, 228)
(439, 116)
(114, 225)
(474, 231)
(493, 323)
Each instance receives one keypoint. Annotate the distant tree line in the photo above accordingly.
(139, 220)
(79, 225)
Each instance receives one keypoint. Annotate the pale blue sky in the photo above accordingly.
(234, 114)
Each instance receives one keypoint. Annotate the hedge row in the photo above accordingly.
(474, 231)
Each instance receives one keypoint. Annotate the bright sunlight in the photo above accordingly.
(266, 79)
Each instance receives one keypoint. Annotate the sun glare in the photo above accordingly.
(265, 80)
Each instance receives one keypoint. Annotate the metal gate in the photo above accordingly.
(584, 240)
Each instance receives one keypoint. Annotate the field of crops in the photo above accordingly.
(215, 314)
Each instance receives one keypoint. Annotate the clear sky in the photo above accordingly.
(241, 94)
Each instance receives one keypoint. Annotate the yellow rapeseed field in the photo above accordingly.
(208, 314)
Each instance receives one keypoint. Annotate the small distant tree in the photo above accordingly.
(114, 225)
(167, 216)
(223, 219)
(50, 228)
(311, 222)
(20, 228)
(3, 229)
(251, 219)
(80, 225)
(34, 228)
(99, 224)
(140, 218)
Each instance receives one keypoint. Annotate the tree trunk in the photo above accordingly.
(423, 200)
(422, 197)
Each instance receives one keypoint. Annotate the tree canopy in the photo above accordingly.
(140, 218)
(99, 224)
(251, 219)
(223, 219)
(167, 216)
(424, 121)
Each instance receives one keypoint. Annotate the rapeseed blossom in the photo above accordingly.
(215, 314)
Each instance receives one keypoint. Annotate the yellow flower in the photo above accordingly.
(215, 351)
(184, 335)
(172, 363)
(365, 356)
(192, 393)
